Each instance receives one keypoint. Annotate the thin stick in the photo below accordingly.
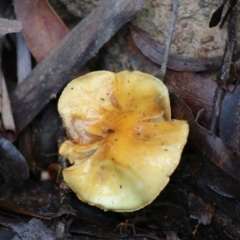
(224, 73)
(9, 130)
(169, 39)
(24, 65)
(9, 26)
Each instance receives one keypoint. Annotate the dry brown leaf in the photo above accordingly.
(208, 144)
(42, 28)
(196, 91)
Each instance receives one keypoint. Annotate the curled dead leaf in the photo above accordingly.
(154, 51)
(207, 143)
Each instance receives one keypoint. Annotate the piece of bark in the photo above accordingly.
(9, 26)
(61, 64)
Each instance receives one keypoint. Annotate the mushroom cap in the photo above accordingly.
(122, 143)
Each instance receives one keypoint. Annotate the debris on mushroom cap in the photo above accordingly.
(122, 143)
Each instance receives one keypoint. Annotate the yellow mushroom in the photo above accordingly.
(122, 143)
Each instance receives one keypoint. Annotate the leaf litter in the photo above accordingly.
(202, 196)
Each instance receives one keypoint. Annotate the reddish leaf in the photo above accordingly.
(42, 28)
(196, 91)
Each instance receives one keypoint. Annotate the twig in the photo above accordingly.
(24, 66)
(224, 73)
(9, 26)
(9, 130)
(169, 39)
